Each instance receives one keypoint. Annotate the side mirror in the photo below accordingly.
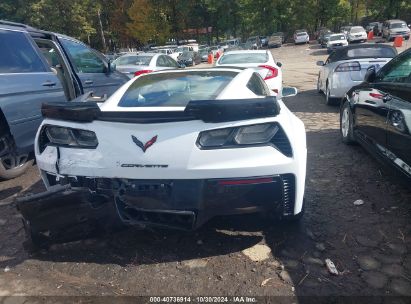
(289, 91)
(320, 63)
(370, 74)
(111, 67)
(279, 64)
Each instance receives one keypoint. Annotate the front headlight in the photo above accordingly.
(269, 134)
(67, 137)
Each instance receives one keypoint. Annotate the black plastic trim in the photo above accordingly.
(209, 111)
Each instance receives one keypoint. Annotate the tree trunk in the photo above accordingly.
(103, 40)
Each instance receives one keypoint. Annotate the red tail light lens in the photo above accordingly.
(348, 67)
(377, 95)
(138, 73)
(272, 71)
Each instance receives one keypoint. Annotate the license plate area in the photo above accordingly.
(146, 194)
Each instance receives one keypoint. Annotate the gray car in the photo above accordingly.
(395, 28)
(136, 64)
(347, 66)
(42, 67)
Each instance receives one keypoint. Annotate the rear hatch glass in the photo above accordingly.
(244, 58)
(175, 89)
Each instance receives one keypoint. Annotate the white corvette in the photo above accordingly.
(171, 149)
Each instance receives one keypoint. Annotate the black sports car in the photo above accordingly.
(377, 114)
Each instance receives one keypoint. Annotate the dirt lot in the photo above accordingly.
(369, 244)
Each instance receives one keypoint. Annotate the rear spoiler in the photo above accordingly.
(206, 110)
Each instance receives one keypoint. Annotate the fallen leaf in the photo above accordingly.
(263, 283)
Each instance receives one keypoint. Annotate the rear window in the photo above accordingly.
(134, 60)
(244, 58)
(175, 89)
(301, 34)
(398, 25)
(337, 37)
(357, 30)
(371, 53)
(17, 55)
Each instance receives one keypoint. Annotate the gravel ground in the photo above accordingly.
(243, 255)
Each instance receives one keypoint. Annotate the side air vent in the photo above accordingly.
(288, 193)
(281, 142)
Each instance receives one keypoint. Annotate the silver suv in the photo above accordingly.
(36, 67)
(394, 28)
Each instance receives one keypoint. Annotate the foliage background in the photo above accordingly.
(114, 24)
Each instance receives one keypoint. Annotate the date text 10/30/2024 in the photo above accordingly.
(203, 299)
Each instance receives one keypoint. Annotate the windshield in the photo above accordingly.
(357, 30)
(398, 25)
(175, 89)
(244, 58)
(133, 60)
(186, 55)
(337, 37)
(371, 53)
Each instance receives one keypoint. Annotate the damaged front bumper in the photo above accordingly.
(80, 207)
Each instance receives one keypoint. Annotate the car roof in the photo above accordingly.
(248, 52)
(395, 20)
(149, 54)
(341, 53)
(337, 34)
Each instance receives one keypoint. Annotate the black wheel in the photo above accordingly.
(346, 124)
(12, 165)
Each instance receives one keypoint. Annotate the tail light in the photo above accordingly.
(138, 73)
(348, 67)
(67, 137)
(272, 71)
(377, 95)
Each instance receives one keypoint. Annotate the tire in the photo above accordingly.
(13, 165)
(346, 124)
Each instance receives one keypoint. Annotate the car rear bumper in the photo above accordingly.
(341, 83)
(82, 205)
(334, 47)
